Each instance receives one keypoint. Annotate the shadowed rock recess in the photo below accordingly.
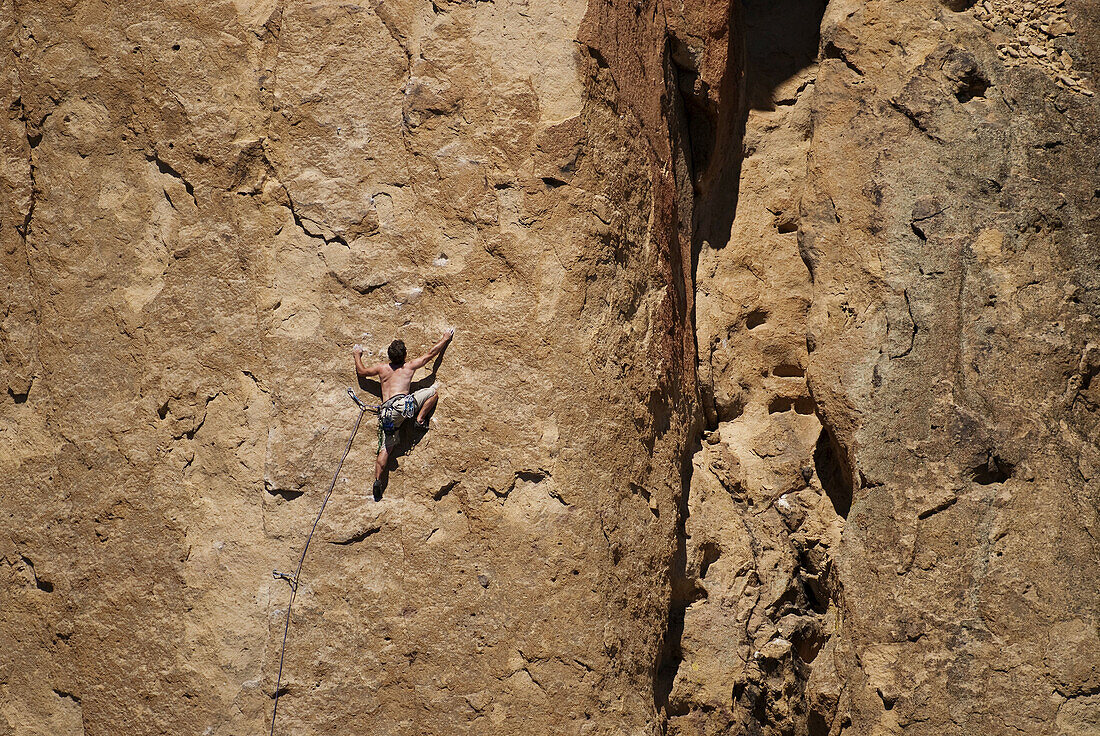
(773, 408)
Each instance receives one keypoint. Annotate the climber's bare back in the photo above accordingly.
(394, 380)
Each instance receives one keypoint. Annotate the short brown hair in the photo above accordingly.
(396, 352)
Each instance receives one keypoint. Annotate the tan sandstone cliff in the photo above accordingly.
(771, 409)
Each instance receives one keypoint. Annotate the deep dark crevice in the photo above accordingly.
(808, 642)
(992, 470)
(698, 114)
(706, 129)
(19, 397)
(682, 594)
(817, 725)
(710, 554)
(971, 85)
(770, 42)
(1087, 376)
(832, 472)
(781, 39)
(671, 657)
(814, 582)
(679, 74)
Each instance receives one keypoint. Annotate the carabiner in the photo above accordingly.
(360, 404)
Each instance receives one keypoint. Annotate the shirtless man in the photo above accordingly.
(397, 403)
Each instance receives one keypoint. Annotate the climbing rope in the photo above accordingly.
(295, 579)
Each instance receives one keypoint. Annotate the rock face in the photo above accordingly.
(771, 409)
(933, 567)
(953, 244)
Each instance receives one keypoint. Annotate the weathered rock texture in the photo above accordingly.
(772, 408)
(905, 541)
(951, 226)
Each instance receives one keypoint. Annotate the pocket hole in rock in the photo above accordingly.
(780, 404)
(993, 470)
(756, 318)
(804, 406)
(831, 472)
(787, 370)
(711, 553)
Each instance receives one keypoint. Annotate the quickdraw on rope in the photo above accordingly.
(295, 579)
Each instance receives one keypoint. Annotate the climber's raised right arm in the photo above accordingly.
(424, 359)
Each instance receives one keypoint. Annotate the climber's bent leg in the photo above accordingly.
(426, 399)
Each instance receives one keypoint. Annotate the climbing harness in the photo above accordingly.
(391, 416)
(294, 579)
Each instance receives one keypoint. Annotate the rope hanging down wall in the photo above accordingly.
(295, 579)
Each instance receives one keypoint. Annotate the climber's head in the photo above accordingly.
(396, 351)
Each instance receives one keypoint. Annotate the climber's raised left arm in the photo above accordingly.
(361, 370)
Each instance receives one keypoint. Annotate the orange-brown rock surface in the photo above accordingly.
(771, 408)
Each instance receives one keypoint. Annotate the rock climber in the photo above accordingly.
(398, 404)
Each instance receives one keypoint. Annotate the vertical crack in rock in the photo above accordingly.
(765, 492)
(679, 76)
(33, 134)
(682, 594)
(704, 132)
(33, 139)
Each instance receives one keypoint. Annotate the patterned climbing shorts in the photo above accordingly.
(406, 408)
